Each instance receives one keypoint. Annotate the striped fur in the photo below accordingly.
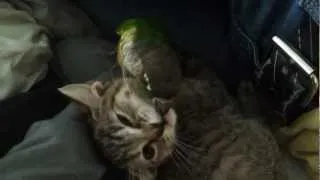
(122, 144)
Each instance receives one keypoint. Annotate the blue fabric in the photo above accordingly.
(57, 148)
(312, 8)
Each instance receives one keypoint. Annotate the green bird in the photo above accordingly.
(144, 53)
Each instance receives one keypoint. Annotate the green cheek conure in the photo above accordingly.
(144, 53)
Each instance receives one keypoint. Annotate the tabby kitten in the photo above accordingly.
(128, 128)
(211, 140)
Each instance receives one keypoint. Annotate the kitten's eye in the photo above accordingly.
(148, 152)
(124, 120)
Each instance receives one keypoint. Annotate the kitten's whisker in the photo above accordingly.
(178, 154)
(181, 138)
(183, 146)
(184, 164)
(189, 145)
(184, 140)
(188, 149)
(187, 160)
(179, 161)
(175, 161)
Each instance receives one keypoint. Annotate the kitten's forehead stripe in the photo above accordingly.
(109, 94)
(115, 90)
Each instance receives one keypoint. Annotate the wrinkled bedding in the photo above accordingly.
(24, 51)
(27, 30)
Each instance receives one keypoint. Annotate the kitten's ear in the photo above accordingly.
(86, 94)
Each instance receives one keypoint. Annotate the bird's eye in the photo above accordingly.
(148, 152)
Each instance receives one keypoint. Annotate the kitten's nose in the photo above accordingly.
(150, 118)
(151, 123)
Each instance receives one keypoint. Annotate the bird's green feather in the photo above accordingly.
(141, 29)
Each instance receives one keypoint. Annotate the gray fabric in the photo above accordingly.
(62, 17)
(53, 149)
(59, 148)
(312, 8)
(83, 59)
